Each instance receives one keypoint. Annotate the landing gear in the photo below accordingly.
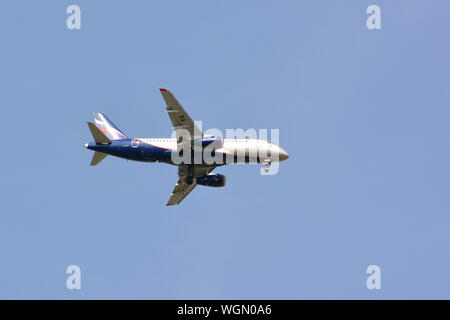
(267, 164)
(189, 180)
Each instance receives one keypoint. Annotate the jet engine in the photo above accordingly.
(212, 180)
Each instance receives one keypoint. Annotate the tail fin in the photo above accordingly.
(97, 158)
(107, 127)
(99, 137)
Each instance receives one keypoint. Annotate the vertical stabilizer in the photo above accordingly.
(107, 127)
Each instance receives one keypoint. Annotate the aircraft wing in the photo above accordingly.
(185, 129)
(182, 189)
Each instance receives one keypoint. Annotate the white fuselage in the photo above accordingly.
(242, 150)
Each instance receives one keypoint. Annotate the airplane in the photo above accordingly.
(110, 140)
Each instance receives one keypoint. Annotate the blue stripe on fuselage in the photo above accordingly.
(142, 152)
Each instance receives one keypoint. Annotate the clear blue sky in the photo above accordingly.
(363, 114)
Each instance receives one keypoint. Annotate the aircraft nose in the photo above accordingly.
(283, 154)
(86, 145)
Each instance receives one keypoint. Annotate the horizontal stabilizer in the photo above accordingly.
(99, 136)
(97, 158)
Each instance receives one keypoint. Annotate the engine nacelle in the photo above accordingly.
(212, 180)
(207, 140)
